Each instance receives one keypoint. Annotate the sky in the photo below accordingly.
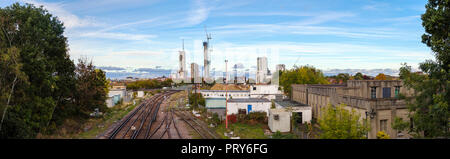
(327, 34)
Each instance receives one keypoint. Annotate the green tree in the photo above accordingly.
(301, 75)
(429, 104)
(91, 88)
(49, 73)
(196, 99)
(358, 76)
(339, 123)
(344, 77)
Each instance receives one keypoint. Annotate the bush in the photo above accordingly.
(215, 119)
(260, 117)
(252, 118)
(382, 135)
(232, 118)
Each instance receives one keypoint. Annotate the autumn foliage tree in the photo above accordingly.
(381, 76)
(91, 88)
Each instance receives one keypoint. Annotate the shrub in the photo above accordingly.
(232, 118)
(259, 117)
(382, 135)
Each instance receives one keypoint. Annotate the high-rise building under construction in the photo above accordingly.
(182, 72)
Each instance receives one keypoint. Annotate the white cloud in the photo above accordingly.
(137, 53)
(118, 36)
(294, 28)
(295, 14)
(70, 20)
(198, 13)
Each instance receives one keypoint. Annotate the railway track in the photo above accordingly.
(142, 118)
(165, 131)
(199, 128)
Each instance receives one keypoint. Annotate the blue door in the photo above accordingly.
(249, 108)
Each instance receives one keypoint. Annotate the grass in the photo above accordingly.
(102, 124)
(244, 131)
(95, 126)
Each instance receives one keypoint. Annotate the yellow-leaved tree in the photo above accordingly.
(336, 122)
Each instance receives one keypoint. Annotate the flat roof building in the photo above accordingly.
(280, 117)
(375, 100)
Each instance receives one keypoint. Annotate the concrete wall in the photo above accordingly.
(264, 89)
(283, 124)
(220, 112)
(140, 94)
(215, 103)
(121, 92)
(109, 102)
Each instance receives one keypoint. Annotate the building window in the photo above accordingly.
(373, 92)
(397, 91)
(254, 88)
(387, 92)
(276, 117)
(383, 125)
(242, 111)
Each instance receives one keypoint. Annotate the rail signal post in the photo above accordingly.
(226, 94)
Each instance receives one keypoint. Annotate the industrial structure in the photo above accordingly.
(280, 117)
(206, 52)
(375, 100)
(182, 74)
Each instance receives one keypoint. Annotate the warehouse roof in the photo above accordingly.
(290, 103)
(224, 91)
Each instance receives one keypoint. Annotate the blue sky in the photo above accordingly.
(328, 34)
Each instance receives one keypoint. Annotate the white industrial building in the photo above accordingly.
(115, 95)
(140, 94)
(279, 120)
(269, 92)
(245, 106)
(221, 93)
(264, 91)
(280, 117)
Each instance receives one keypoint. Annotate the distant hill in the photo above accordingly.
(122, 73)
(370, 72)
